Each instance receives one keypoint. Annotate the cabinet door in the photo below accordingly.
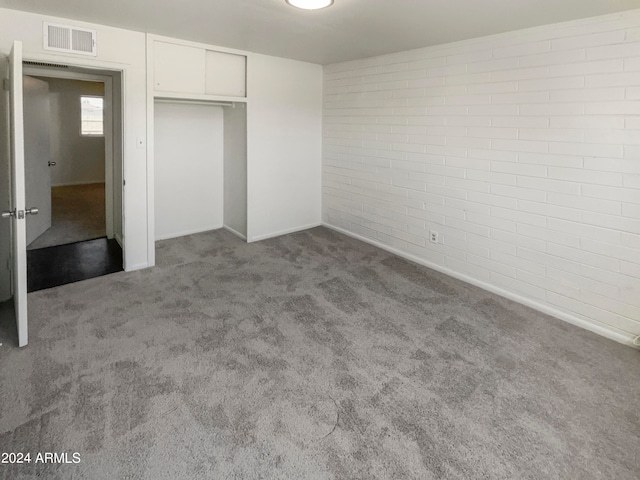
(178, 68)
(225, 74)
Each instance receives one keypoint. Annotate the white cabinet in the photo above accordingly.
(191, 70)
(178, 68)
(225, 74)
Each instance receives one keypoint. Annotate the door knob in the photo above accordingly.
(9, 213)
(51, 164)
(31, 211)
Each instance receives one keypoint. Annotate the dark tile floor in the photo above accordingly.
(53, 266)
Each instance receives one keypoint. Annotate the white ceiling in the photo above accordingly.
(350, 29)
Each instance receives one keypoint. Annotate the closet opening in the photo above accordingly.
(200, 167)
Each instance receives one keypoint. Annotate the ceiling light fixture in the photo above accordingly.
(310, 4)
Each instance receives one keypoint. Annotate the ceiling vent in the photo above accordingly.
(29, 63)
(65, 38)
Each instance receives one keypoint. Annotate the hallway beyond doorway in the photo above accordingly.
(78, 213)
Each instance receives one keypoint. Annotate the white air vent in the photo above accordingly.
(64, 38)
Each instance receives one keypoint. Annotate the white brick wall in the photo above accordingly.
(522, 150)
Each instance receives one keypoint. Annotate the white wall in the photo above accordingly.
(188, 169)
(284, 124)
(235, 169)
(118, 49)
(522, 150)
(79, 159)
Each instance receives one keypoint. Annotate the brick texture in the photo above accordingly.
(521, 150)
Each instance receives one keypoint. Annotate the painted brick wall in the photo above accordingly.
(521, 150)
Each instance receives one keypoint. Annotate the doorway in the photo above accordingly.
(72, 158)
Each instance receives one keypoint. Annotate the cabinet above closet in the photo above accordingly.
(191, 72)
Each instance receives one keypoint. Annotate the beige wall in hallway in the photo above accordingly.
(79, 159)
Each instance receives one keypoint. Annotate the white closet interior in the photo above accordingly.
(235, 169)
(200, 140)
(188, 169)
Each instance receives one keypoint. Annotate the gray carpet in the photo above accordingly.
(77, 214)
(310, 356)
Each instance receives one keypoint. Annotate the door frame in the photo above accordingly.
(107, 80)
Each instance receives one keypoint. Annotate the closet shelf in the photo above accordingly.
(194, 97)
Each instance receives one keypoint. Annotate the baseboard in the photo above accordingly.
(188, 232)
(625, 339)
(257, 238)
(137, 266)
(234, 232)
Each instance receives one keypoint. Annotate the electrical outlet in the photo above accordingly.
(434, 237)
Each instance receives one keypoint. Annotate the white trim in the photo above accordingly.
(587, 324)
(189, 232)
(257, 238)
(137, 266)
(107, 129)
(235, 232)
(151, 199)
(118, 239)
(248, 157)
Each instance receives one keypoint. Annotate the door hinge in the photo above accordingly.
(5, 84)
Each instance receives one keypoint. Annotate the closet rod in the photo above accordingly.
(196, 102)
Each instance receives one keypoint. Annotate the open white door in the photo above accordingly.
(37, 154)
(18, 210)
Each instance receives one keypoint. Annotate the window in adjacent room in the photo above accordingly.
(92, 116)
